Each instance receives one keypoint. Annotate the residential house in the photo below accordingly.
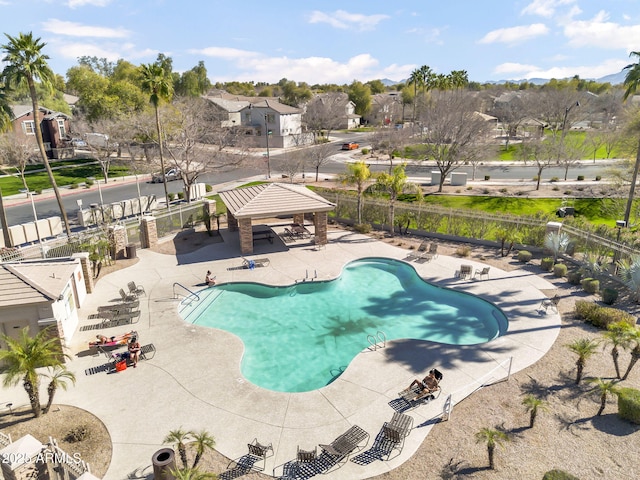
(386, 109)
(274, 124)
(53, 125)
(39, 294)
(337, 104)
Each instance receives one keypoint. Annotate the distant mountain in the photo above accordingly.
(613, 79)
(387, 83)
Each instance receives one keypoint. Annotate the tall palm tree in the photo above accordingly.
(533, 405)
(631, 82)
(159, 85)
(603, 388)
(357, 174)
(394, 184)
(58, 378)
(618, 335)
(179, 437)
(204, 441)
(492, 437)
(584, 348)
(25, 63)
(415, 79)
(24, 356)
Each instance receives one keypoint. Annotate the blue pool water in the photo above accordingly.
(301, 337)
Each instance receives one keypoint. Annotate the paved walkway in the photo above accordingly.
(194, 380)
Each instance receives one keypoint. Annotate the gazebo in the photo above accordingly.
(269, 200)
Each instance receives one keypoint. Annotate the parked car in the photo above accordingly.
(170, 173)
(78, 143)
(350, 146)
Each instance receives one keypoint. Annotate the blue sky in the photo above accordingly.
(339, 41)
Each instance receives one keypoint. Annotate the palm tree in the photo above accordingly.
(394, 184)
(415, 79)
(634, 336)
(179, 437)
(492, 438)
(357, 174)
(584, 348)
(618, 334)
(58, 378)
(24, 356)
(604, 389)
(25, 63)
(630, 272)
(159, 85)
(204, 441)
(631, 81)
(533, 405)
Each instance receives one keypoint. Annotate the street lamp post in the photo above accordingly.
(35, 217)
(266, 131)
(100, 192)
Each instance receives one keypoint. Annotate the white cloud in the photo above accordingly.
(511, 67)
(93, 3)
(515, 34)
(344, 20)
(544, 8)
(73, 29)
(74, 50)
(606, 67)
(224, 52)
(601, 33)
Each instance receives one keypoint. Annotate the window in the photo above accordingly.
(271, 118)
(29, 127)
(61, 129)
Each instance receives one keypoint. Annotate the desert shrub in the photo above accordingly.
(524, 256)
(77, 434)
(487, 177)
(600, 316)
(469, 187)
(486, 191)
(463, 251)
(559, 270)
(558, 475)
(38, 191)
(554, 179)
(458, 191)
(556, 188)
(88, 182)
(208, 188)
(73, 185)
(580, 178)
(590, 285)
(629, 404)
(567, 192)
(598, 178)
(181, 195)
(503, 190)
(362, 227)
(609, 295)
(365, 151)
(172, 197)
(547, 264)
(574, 277)
(535, 178)
(520, 193)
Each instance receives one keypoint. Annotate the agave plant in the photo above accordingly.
(557, 242)
(630, 272)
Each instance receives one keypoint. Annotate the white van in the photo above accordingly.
(97, 140)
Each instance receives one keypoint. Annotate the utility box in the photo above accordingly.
(458, 179)
(435, 177)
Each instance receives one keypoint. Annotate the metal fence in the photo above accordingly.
(178, 218)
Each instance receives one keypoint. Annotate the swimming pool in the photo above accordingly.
(301, 337)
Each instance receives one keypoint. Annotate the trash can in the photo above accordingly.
(164, 460)
(131, 250)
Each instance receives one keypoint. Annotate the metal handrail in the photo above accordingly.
(191, 294)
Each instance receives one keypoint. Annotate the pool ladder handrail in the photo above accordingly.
(379, 340)
(191, 294)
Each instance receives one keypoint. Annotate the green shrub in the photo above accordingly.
(598, 178)
(487, 177)
(503, 190)
(181, 195)
(554, 179)
(580, 178)
(547, 264)
(609, 295)
(208, 188)
(567, 192)
(73, 185)
(88, 182)
(559, 270)
(469, 187)
(362, 227)
(365, 151)
(172, 197)
(574, 277)
(556, 188)
(600, 316)
(629, 404)
(524, 256)
(463, 251)
(590, 285)
(486, 191)
(535, 178)
(38, 191)
(558, 475)
(77, 434)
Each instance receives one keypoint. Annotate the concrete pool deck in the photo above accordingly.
(194, 379)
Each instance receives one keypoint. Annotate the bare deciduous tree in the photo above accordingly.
(16, 152)
(324, 113)
(390, 141)
(319, 155)
(454, 131)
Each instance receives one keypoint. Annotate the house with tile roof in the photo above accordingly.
(40, 294)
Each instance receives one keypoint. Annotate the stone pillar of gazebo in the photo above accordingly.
(246, 236)
(298, 218)
(320, 223)
(232, 222)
